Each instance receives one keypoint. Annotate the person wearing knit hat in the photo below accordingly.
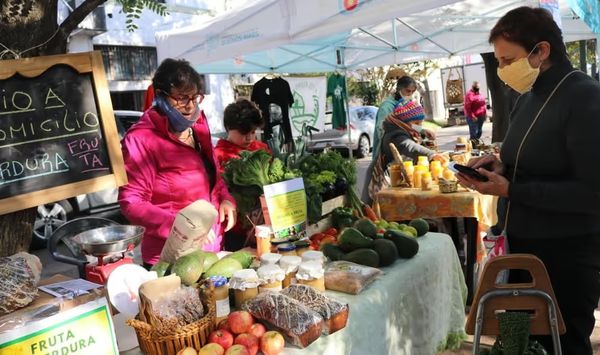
(403, 128)
(409, 112)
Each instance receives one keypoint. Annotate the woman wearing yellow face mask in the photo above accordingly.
(548, 172)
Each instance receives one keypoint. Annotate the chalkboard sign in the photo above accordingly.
(58, 136)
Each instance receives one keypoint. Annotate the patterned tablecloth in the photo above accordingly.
(416, 307)
(398, 204)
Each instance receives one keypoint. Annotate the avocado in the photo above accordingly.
(333, 252)
(363, 256)
(366, 227)
(407, 245)
(351, 239)
(420, 225)
(387, 251)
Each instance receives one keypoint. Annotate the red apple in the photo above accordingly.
(237, 350)
(272, 343)
(257, 330)
(224, 325)
(249, 341)
(211, 349)
(239, 322)
(221, 337)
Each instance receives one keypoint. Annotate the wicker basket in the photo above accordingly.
(194, 334)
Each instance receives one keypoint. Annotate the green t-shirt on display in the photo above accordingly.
(336, 88)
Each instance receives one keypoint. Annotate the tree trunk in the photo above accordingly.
(501, 98)
(28, 28)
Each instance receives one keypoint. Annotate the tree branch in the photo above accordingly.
(78, 15)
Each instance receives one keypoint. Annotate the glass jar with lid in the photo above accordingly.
(245, 285)
(271, 277)
(289, 264)
(263, 234)
(311, 273)
(269, 259)
(221, 297)
(302, 246)
(286, 249)
(314, 255)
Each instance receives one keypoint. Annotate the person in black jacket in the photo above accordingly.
(548, 170)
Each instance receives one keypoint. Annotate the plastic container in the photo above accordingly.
(396, 178)
(221, 293)
(289, 264)
(286, 249)
(271, 277)
(311, 273)
(245, 285)
(263, 234)
(426, 181)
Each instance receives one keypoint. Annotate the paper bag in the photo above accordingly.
(191, 229)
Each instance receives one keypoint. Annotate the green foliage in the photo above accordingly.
(365, 90)
(133, 10)
(575, 56)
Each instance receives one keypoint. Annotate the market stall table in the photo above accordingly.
(414, 308)
(399, 204)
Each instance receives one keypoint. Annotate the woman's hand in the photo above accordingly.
(227, 210)
(429, 134)
(496, 185)
(487, 162)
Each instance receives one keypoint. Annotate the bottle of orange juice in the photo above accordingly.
(419, 170)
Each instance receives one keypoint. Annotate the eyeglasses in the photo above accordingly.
(185, 100)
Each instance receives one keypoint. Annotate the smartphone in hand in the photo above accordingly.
(458, 168)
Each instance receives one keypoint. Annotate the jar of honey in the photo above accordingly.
(271, 277)
(263, 234)
(311, 273)
(289, 264)
(245, 285)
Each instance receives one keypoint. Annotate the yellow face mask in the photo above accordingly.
(519, 75)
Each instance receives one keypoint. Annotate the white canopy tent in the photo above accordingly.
(291, 36)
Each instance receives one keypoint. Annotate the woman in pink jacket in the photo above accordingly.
(475, 111)
(170, 161)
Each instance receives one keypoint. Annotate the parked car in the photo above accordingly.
(100, 204)
(362, 125)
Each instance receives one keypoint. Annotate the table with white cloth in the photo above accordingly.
(417, 307)
(478, 211)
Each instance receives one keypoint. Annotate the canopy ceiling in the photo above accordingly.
(315, 36)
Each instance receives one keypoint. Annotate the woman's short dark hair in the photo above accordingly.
(403, 83)
(528, 26)
(176, 73)
(243, 116)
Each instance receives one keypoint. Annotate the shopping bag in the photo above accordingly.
(454, 88)
(496, 245)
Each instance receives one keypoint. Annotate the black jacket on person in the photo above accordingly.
(403, 142)
(556, 193)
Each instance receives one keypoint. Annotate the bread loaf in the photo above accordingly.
(334, 313)
(299, 324)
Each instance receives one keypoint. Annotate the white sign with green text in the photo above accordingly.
(86, 329)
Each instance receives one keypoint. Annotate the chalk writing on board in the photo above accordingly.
(50, 132)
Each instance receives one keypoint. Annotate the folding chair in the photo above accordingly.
(536, 296)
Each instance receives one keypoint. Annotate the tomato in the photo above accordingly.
(317, 237)
(328, 239)
(331, 231)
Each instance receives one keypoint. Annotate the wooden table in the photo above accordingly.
(399, 204)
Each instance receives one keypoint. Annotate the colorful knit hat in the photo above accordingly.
(408, 111)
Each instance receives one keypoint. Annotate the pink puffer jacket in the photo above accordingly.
(165, 175)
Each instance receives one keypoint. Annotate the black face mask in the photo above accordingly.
(475, 89)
